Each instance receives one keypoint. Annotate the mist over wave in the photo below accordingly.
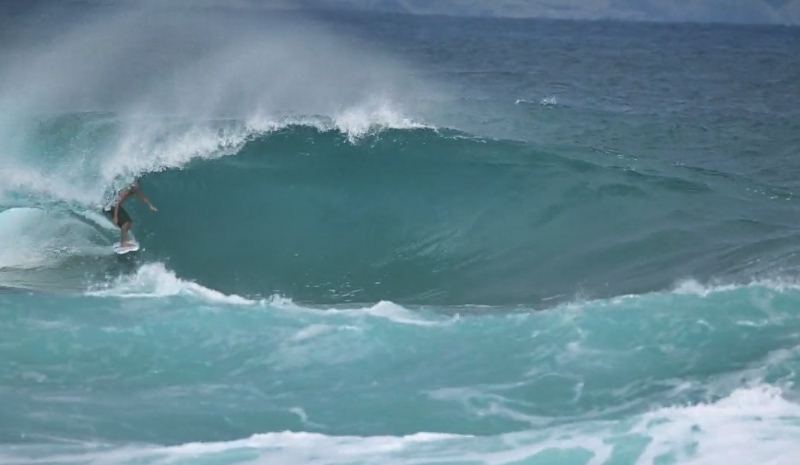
(155, 84)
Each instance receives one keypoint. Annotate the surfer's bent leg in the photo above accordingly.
(123, 238)
(124, 223)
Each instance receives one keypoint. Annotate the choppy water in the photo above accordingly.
(387, 239)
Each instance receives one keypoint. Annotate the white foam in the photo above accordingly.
(149, 145)
(549, 101)
(99, 219)
(692, 287)
(357, 121)
(312, 331)
(753, 425)
(140, 144)
(398, 314)
(374, 115)
(154, 280)
(278, 448)
(384, 310)
(545, 101)
(686, 287)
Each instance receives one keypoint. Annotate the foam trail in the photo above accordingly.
(153, 280)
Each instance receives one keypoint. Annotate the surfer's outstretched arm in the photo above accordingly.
(144, 199)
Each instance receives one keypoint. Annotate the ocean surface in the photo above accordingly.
(385, 239)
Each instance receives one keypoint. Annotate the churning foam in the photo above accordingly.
(692, 287)
(751, 426)
(35, 238)
(384, 310)
(154, 280)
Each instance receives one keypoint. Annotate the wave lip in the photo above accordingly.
(121, 147)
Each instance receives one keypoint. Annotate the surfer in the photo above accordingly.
(118, 214)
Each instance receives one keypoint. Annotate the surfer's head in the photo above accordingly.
(134, 186)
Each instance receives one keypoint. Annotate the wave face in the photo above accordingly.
(431, 216)
(380, 240)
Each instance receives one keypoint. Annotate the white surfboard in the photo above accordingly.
(132, 246)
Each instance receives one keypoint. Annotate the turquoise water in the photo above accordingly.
(388, 239)
(175, 373)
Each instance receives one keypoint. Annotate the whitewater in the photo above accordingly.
(395, 239)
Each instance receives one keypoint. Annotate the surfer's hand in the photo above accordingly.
(153, 208)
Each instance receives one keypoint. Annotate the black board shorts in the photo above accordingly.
(122, 216)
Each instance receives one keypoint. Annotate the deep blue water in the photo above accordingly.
(394, 239)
